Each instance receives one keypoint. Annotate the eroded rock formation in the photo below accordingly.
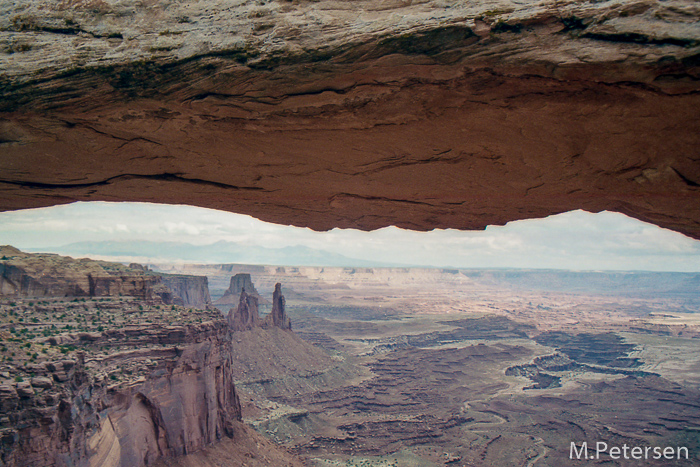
(192, 290)
(330, 114)
(239, 283)
(73, 413)
(278, 316)
(246, 316)
(49, 275)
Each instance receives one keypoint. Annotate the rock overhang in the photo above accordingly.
(325, 114)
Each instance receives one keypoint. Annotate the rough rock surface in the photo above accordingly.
(246, 448)
(83, 418)
(239, 283)
(246, 316)
(422, 114)
(278, 316)
(192, 290)
(49, 275)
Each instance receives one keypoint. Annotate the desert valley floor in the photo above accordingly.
(425, 367)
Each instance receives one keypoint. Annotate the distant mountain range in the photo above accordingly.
(219, 252)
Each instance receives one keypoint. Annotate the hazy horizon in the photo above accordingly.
(576, 240)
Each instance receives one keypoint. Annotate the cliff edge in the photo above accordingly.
(143, 402)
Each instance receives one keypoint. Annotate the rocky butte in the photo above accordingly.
(419, 114)
(246, 317)
(239, 283)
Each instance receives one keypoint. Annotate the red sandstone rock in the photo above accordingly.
(45, 275)
(239, 283)
(277, 317)
(461, 114)
(246, 316)
(187, 403)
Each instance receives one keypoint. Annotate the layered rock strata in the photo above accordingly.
(85, 411)
(49, 275)
(192, 290)
(421, 114)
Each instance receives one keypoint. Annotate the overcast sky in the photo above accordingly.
(575, 240)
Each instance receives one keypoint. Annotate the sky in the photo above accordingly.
(576, 240)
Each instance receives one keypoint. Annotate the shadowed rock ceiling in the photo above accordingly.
(363, 114)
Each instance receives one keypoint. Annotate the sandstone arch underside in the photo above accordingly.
(359, 114)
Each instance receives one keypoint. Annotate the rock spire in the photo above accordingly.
(278, 316)
(246, 315)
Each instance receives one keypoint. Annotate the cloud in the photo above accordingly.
(573, 240)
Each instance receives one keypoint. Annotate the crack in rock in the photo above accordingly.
(167, 177)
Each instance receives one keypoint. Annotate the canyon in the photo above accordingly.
(419, 114)
(426, 367)
(351, 366)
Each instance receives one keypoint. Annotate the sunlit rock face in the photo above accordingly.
(357, 114)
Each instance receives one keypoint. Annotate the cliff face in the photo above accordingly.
(192, 290)
(48, 275)
(74, 413)
(423, 114)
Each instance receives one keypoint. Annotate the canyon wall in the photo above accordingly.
(49, 275)
(193, 290)
(174, 400)
(423, 114)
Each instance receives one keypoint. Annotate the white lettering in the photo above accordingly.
(625, 448)
(614, 452)
(637, 452)
(600, 446)
(626, 452)
(573, 450)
